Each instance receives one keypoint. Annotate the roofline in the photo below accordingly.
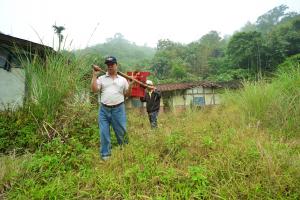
(206, 84)
(24, 44)
(184, 86)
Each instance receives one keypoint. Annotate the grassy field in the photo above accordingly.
(207, 154)
(246, 148)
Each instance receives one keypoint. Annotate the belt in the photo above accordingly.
(112, 106)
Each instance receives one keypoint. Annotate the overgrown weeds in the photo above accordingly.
(275, 106)
(245, 149)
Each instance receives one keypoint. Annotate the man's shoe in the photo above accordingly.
(105, 158)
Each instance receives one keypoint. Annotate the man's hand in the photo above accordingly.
(128, 91)
(130, 85)
(96, 70)
(151, 87)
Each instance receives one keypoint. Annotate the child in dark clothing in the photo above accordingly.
(152, 99)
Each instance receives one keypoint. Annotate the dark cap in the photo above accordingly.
(110, 60)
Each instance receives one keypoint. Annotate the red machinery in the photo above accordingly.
(137, 89)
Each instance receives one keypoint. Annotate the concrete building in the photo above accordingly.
(12, 73)
(177, 96)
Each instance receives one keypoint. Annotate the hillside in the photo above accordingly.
(130, 55)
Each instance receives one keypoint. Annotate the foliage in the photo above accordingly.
(186, 158)
(246, 51)
(192, 58)
(58, 30)
(201, 53)
(129, 55)
(253, 53)
(231, 74)
(248, 27)
(274, 105)
(178, 69)
(283, 41)
(289, 64)
(161, 66)
(268, 20)
(18, 131)
(168, 60)
(244, 149)
(55, 96)
(50, 83)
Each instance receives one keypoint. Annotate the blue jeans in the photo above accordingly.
(153, 119)
(117, 118)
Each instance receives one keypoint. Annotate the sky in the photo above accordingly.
(143, 22)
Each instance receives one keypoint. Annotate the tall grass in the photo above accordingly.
(195, 155)
(53, 86)
(226, 152)
(50, 82)
(274, 105)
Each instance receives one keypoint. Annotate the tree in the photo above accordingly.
(198, 54)
(178, 69)
(283, 41)
(268, 20)
(130, 56)
(248, 27)
(161, 66)
(164, 44)
(292, 36)
(247, 51)
(58, 30)
(164, 59)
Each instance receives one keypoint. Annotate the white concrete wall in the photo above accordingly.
(209, 99)
(12, 87)
(187, 98)
(178, 100)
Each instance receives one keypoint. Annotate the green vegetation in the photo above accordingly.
(253, 53)
(247, 148)
(58, 30)
(276, 105)
(130, 56)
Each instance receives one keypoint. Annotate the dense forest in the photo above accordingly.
(251, 53)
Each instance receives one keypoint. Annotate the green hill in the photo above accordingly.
(129, 55)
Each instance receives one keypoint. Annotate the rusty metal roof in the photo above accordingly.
(184, 86)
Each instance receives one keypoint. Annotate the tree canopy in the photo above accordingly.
(253, 52)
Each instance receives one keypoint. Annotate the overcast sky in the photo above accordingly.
(90, 22)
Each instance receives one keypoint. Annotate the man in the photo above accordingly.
(113, 88)
(152, 99)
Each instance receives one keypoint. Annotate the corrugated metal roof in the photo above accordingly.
(184, 86)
